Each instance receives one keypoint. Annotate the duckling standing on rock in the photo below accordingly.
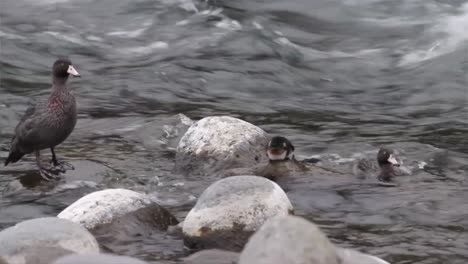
(387, 162)
(47, 124)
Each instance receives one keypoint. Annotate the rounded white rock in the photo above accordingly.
(294, 240)
(40, 240)
(289, 239)
(105, 206)
(220, 142)
(231, 209)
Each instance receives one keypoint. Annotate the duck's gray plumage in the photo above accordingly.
(47, 124)
(379, 168)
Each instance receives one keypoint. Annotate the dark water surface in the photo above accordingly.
(339, 78)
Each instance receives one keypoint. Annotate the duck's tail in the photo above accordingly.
(14, 157)
(15, 154)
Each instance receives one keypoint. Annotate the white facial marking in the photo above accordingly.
(72, 71)
(281, 156)
(392, 160)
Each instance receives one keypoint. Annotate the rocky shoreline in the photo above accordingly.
(242, 219)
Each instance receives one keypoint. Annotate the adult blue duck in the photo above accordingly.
(47, 124)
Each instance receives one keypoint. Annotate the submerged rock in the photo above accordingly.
(41, 240)
(87, 174)
(294, 240)
(220, 142)
(212, 256)
(118, 211)
(97, 259)
(231, 209)
(172, 129)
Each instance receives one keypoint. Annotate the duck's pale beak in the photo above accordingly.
(71, 70)
(393, 161)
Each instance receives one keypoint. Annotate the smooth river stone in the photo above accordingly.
(41, 240)
(220, 142)
(231, 209)
(118, 211)
(294, 240)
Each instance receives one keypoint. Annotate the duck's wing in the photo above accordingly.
(29, 112)
(27, 131)
(17, 145)
(365, 167)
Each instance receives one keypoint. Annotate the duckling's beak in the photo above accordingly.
(71, 70)
(393, 161)
(276, 151)
(276, 154)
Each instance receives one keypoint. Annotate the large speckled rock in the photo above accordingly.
(41, 240)
(231, 209)
(220, 142)
(294, 240)
(97, 259)
(118, 210)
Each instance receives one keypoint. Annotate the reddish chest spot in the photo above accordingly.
(54, 105)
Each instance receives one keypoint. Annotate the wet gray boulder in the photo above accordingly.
(231, 209)
(118, 211)
(212, 256)
(294, 240)
(97, 259)
(220, 142)
(41, 240)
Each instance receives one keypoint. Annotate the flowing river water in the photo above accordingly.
(338, 78)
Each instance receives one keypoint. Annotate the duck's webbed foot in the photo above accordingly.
(49, 174)
(61, 166)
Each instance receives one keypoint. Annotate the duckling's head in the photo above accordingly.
(387, 157)
(280, 148)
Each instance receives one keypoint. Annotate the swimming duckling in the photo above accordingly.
(281, 162)
(385, 168)
(280, 149)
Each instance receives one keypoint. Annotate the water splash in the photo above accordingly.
(451, 34)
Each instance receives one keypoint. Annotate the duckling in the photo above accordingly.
(280, 149)
(281, 162)
(385, 168)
